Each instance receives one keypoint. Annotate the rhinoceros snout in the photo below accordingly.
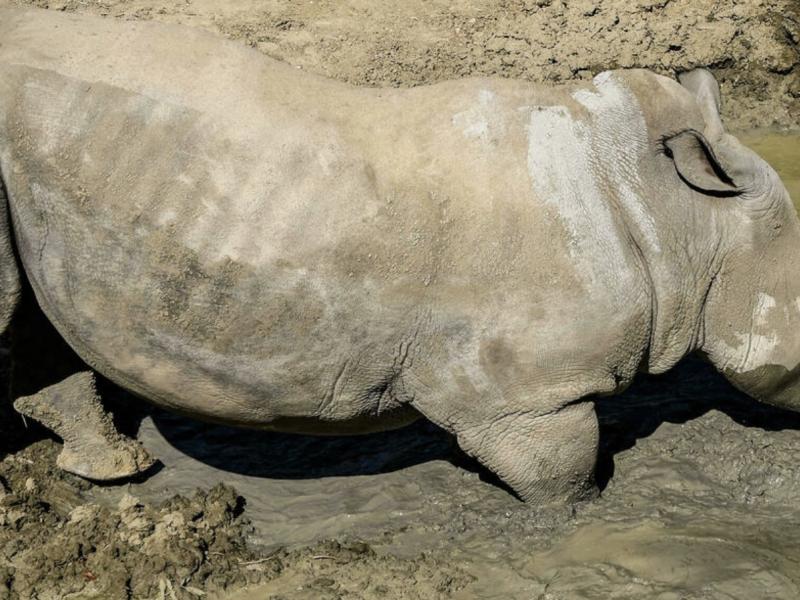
(772, 384)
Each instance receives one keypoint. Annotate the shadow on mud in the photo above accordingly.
(292, 456)
(690, 390)
(687, 392)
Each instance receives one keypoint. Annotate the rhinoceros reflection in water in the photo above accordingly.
(231, 238)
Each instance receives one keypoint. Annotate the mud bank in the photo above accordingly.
(753, 46)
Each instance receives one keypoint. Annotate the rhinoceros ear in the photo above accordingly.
(698, 165)
(702, 84)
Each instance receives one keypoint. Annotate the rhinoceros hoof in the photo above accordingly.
(102, 461)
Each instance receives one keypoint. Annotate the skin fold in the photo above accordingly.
(231, 238)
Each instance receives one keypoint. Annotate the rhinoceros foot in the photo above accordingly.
(99, 461)
(93, 448)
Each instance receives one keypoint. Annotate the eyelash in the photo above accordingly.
(662, 141)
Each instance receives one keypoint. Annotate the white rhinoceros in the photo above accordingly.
(231, 238)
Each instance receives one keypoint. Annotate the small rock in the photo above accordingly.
(128, 501)
(84, 512)
(324, 582)
(171, 524)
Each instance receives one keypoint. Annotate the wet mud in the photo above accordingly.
(700, 485)
(700, 488)
(699, 500)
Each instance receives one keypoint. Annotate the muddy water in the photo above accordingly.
(782, 151)
(701, 492)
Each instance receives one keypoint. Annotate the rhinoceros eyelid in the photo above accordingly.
(662, 141)
(662, 147)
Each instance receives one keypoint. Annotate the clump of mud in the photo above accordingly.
(53, 544)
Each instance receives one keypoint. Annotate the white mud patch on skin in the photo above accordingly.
(755, 347)
(476, 121)
(580, 165)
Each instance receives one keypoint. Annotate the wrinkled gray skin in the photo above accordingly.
(234, 239)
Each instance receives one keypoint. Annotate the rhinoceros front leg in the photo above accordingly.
(544, 458)
(93, 448)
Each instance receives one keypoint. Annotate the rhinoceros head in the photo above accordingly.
(751, 328)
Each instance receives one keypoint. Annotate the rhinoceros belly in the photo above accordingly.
(198, 265)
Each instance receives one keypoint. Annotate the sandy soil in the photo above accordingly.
(701, 485)
(752, 45)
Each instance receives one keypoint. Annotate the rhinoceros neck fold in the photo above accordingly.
(679, 287)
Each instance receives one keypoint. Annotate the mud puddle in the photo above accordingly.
(700, 500)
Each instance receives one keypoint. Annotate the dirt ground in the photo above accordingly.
(701, 486)
(55, 544)
(751, 45)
